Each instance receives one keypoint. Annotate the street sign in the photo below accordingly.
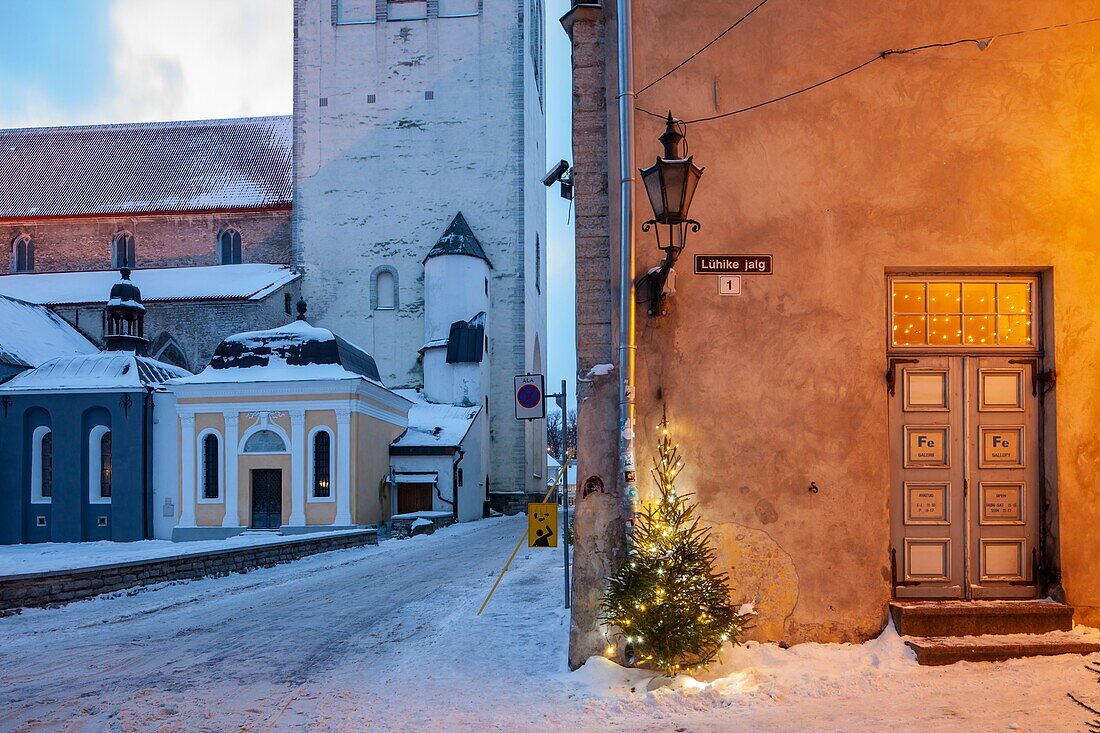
(729, 284)
(530, 404)
(542, 525)
(733, 264)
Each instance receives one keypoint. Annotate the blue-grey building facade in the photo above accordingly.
(76, 438)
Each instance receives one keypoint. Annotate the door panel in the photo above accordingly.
(414, 498)
(964, 446)
(267, 498)
(926, 445)
(1005, 477)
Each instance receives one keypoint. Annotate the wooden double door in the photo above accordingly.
(965, 450)
(267, 498)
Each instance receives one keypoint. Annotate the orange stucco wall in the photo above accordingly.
(953, 159)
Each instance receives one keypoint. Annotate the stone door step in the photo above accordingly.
(935, 651)
(974, 618)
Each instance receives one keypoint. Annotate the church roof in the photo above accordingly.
(101, 371)
(459, 239)
(198, 165)
(31, 335)
(252, 281)
(296, 351)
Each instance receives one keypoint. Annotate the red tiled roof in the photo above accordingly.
(141, 167)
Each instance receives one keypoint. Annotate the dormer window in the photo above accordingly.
(229, 247)
(22, 254)
(122, 250)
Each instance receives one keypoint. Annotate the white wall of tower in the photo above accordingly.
(400, 125)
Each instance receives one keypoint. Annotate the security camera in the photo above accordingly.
(555, 174)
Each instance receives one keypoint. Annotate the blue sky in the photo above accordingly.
(101, 61)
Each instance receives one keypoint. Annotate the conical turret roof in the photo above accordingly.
(459, 239)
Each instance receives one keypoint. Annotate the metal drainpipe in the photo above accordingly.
(149, 506)
(454, 481)
(627, 308)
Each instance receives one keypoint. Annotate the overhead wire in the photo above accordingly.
(713, 41)
(982, 43)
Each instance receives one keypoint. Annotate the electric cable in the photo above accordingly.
(713, 41)
(981, 43)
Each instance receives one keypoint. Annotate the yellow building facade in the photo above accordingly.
(287, 430)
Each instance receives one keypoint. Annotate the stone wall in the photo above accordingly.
(195, 327)
(160, 240)
(44, 589)
(600, 533)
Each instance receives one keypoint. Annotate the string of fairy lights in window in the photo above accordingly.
(964, 313)
(981, 42)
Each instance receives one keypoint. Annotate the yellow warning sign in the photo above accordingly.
(542, 525)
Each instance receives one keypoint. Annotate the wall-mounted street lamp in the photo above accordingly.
(670, 184)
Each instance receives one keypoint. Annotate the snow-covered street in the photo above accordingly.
(385, 638)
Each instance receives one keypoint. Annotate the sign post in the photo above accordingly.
(563, 493)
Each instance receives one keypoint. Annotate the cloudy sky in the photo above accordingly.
(97, 61)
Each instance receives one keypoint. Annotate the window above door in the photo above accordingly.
(963, 313)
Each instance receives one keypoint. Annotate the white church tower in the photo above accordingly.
(416, 121)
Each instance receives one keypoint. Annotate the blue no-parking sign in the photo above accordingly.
(530, 402)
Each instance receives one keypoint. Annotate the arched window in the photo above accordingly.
(22, 254)
(322, 464)
(122, 250)
(100, 465)
(384, 292)
(229, 247)
(211, 481)
(42, 466)
(264, 441)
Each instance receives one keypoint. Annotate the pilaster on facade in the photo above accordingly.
(343, 467)
(232, 512)
(187, 469)
(298, 486)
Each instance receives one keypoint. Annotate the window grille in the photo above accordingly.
(105, 466)
(322, 472)
(210, 467)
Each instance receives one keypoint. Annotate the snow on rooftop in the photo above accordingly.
(294, 352)
(435, 425)
(107, 370)
(193, 165)
(31, 335)
(252, 281)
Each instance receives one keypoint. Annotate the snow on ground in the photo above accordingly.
(46, 557)
(386, 639)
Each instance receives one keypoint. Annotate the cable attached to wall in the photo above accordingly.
(713, 41)
(981, 43)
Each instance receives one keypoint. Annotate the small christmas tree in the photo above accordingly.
(673, 609)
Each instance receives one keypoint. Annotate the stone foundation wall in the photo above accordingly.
(402, 527)
(44, 589)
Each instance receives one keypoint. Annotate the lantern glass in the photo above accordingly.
(670, 185)
(655, 190)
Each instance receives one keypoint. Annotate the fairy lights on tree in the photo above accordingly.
(672, 608)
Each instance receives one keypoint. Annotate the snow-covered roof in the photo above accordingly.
(107, 370)
(434, 425)
(294, 352)
(252, 281)
(458, 239)
(241, 163)
(31, 335)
